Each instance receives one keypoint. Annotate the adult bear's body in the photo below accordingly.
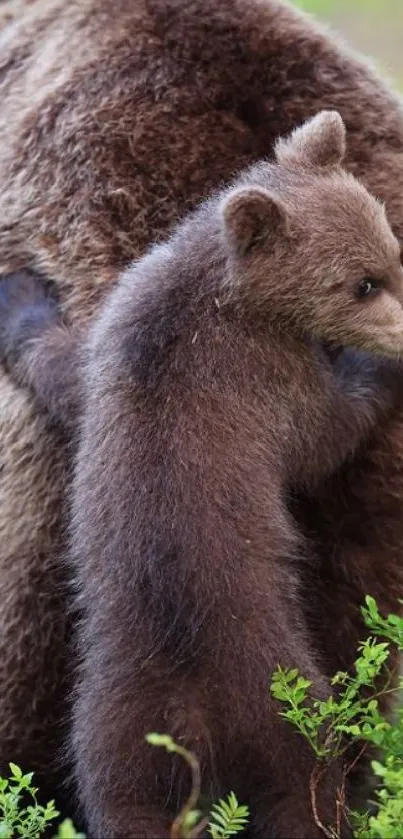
(114, 119)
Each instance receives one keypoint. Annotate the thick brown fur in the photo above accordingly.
(114, 118)
(205, 399)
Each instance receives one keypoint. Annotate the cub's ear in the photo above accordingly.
(320, 141)
(252, 217)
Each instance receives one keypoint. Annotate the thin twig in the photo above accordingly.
(199, 828)
(191, 802)
(341, 804)
(341, 799)
(316, 776)
(356, 759)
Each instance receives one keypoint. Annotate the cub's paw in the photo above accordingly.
(356, 367)
(374, 377)
(27, 308)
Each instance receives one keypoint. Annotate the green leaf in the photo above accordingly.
(68, 831)
(160, 740)
(15, 770)
(227, 817)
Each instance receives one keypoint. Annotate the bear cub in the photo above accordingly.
(199, 400)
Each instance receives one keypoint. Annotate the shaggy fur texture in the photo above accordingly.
(204, 402)
(115, 117)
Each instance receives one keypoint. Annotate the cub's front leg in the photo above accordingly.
(351, 393)
(37, 349)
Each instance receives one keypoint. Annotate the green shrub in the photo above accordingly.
(20, 813)
(345, 725)
(22, 816)
(339, 728)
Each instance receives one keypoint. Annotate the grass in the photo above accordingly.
(373, 27)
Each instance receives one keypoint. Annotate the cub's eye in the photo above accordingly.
(368, 286)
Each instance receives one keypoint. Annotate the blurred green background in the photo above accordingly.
(375, 27)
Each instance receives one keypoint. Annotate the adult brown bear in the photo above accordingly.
(115, 117)
(200, 398)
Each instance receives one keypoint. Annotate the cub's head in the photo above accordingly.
(308, 245)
